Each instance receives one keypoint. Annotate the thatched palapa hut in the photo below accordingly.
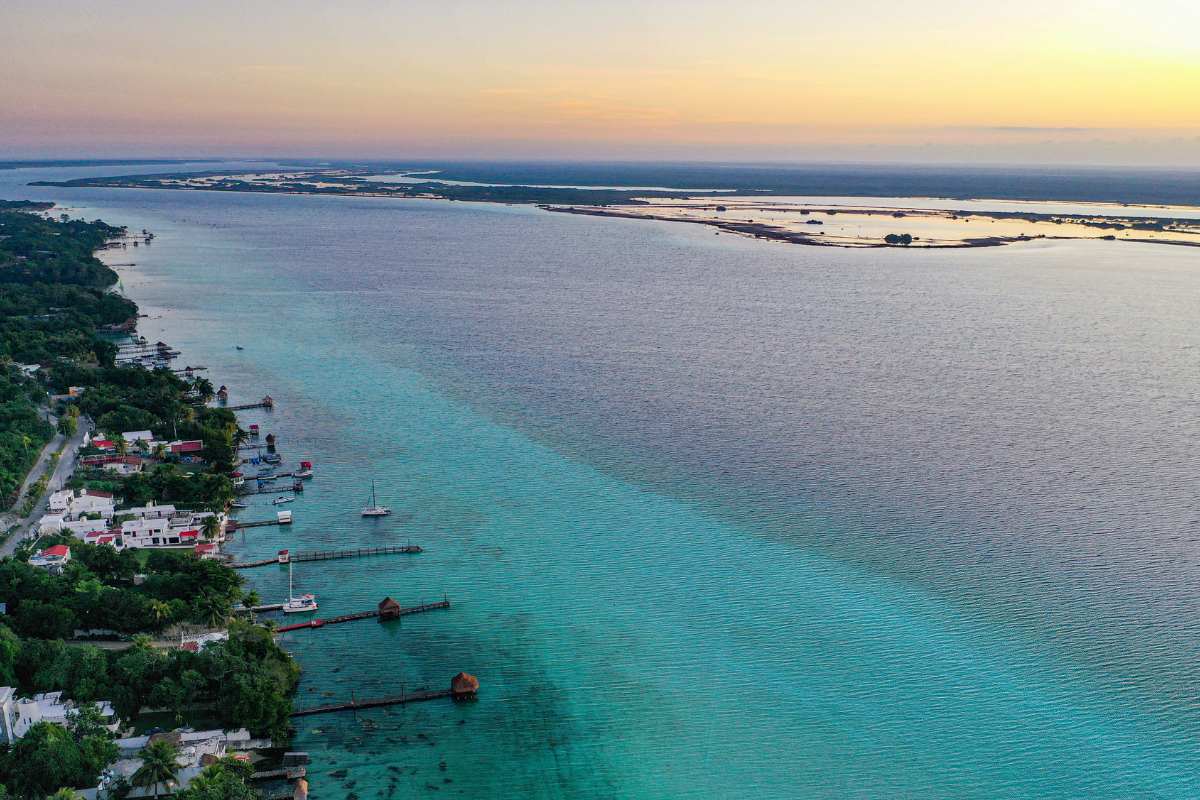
(464, 685)
(388, 609)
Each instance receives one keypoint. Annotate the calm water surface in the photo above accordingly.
(719, 518)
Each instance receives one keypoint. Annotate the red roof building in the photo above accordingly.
(190, 446)
(58, 551)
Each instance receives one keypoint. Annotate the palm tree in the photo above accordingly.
(122, 446)
(212, 527)
(160, 610)
(214, 610)
(203, 388)
(159, 765)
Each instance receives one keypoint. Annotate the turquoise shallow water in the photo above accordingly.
(719, 518)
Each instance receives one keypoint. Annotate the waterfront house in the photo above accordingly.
(18, 716)
(186, 447)
(206, 550)
(196, 750)
(182, 529)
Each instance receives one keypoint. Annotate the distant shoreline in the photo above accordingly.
(791, 222)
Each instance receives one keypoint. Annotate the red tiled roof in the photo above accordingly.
(189, 534)
(205, 547)
(102, 444)
(57, 550)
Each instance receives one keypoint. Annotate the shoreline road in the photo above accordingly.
(62, 472)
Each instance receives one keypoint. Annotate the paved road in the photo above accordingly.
(62, 472)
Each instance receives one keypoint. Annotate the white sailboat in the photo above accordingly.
(375, 510)
(297, 605)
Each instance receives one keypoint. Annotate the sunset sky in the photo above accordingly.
(926, 80)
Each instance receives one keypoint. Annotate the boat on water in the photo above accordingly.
(278, 501)
(298, 605)
(238, 505)
(304, 473)
(375, 510)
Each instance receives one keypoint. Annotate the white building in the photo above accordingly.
(60, 501)
(54, 523)
(18, 716)
(92, 502)
(196, 750)
(70, 504)
(149, 511)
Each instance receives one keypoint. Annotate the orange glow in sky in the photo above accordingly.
(1079, 82)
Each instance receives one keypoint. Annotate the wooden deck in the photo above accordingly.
(356, 705)
(321, 623)
(325, 555)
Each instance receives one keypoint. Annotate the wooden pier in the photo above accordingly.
(260, 609)
(237, 525)
(265, 490)
(285, 773)
(462, 687)
(357, 705)
(266, 403)
(403, 612)
(325, 555)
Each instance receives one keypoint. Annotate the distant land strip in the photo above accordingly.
(791, 222)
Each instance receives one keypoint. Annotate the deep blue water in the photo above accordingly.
(719, 517)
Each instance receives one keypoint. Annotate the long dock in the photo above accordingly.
(266, 403)
(237, 525)
(325, 555)
(403, 612)
(264, 490)
(356, 705)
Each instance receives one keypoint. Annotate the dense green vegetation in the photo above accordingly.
(51, 756)
(97, 591)
(23, 431)
(54, 296)
(52, 299)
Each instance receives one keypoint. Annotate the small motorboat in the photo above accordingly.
(239, 347)
(278, 501)
(304, 474)
(238, 505)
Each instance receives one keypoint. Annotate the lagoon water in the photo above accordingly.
(719, 518)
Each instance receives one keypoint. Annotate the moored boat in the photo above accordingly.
(375, 510)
